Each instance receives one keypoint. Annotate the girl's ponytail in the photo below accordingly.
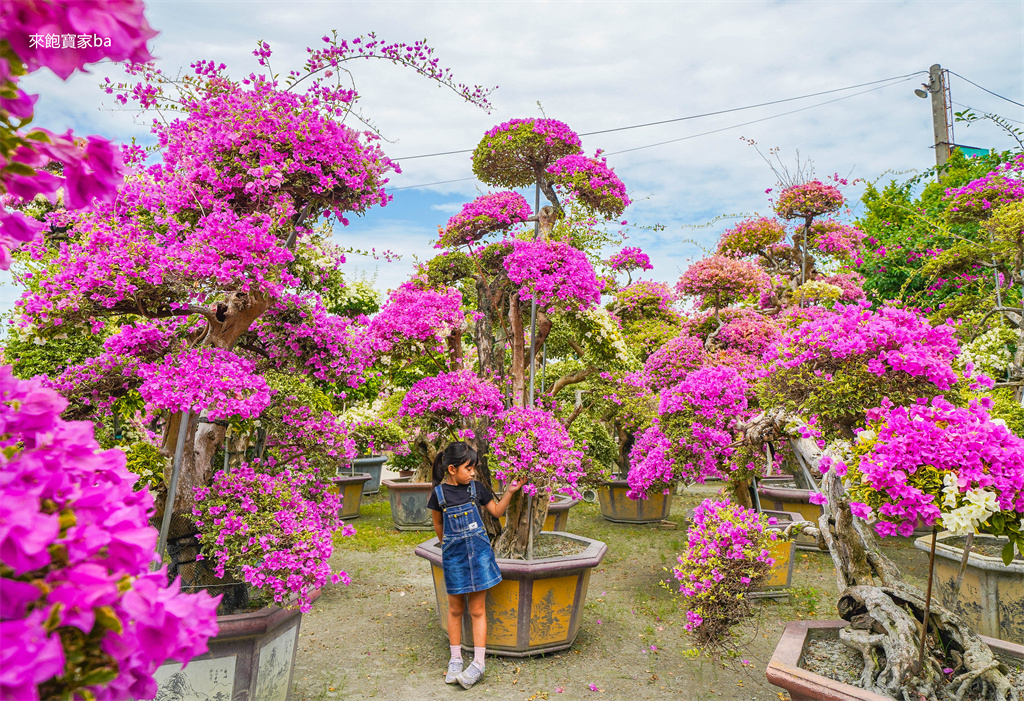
(438, 471)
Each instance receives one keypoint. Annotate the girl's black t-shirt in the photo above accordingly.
(458, 494)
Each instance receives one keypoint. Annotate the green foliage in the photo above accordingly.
(145, 460)
(644, 336)
(31, 355)
(600, 448)
(449, 268)
(513, 157)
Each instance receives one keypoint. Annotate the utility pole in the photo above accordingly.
(942, 112)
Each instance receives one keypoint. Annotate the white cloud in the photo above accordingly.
(447, 207)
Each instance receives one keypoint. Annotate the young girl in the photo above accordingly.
(466, 556)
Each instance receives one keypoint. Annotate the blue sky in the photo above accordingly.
(603, 65)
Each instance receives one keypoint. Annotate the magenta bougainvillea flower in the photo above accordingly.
(554, 273)
(810, 199)
(491, 212)
(531, 446)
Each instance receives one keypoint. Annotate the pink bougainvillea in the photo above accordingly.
(554, 273)
(978, 198)
(669, 364)
(532, 447)
(852, 285)
(751, 236)
(836, 239)
(592, 183)
(630, 258)
(719, 280)
(491, 212)
(76, 547)
(416, 318)
(447, 402)
(809, 199)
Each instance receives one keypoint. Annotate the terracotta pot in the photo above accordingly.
(537, 606)
(351, 489)
(992, 594)
(558, 513)
(785, 672)
(409, 510)
(406, 474)
(373, 465)
(790, 500)
(252, 657)
(619, 508)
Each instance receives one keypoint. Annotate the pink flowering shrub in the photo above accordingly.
(413, 319)
(91, 167)
(532, 447)
(976, 200)
(669, 364)
(554, 273)
(927, 462)
(81, 614)
(749, 332)
(836, 239)
(630, 258)
(719, 281)
(691, 439)
(751, 236)
(592, 183)
(513, 152)
(491, 212)
(727, 555)
(449, 403)
(644, 299)
(275, 530)
(810, 199)
(851, 285)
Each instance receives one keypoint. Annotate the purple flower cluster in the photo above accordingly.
(491, 212)
(836, 239)
(630, 258)
(751, 236)
(810, 199)
(592, 183)
(643, 300)
(414, 318)
(287, 557)
(852, 285)
(978, 198)
(75, 547)
(719, 280)
(531, 446)
(749, 332)
(727, 554)
(448, 402)
(669, 364)
(554, 273)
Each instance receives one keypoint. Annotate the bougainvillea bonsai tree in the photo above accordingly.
(83, 615)
(205, 275)
(872, 399)
(536, 294)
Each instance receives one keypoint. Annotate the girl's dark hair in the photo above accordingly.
(454, 454)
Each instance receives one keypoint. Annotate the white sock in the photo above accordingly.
(478, 656)
(456, 652)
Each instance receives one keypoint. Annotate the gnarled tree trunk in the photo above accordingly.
(524, 515)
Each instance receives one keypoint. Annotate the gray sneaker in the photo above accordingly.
(454, 670)
(470, 675)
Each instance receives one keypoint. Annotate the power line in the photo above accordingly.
(706, 133)
(698, 116)
(987, 90)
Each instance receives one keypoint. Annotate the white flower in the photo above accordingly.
(865, 436)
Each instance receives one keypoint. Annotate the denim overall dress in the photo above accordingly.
(466, 556)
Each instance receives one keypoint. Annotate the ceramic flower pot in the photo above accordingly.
(252, 657)
(372, 465)
(992, 594)
(537, 606)
(780, 495)
(409, 510)
(558, 514)
(619, 508)
(350, 487)
(784, 669)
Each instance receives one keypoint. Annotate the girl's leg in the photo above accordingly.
(478, 614)
(456, 605)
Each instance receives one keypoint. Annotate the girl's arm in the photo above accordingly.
(495, 507)
(438, 523)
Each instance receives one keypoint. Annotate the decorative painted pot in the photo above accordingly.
(558, 513)
(252, 657)
(537, 606)
(992, 594)
(775, 497)
(351, 489)
(784, 669)
(373, 465)
(619, 508)
(409, 510)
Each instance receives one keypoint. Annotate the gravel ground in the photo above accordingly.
(379, 637)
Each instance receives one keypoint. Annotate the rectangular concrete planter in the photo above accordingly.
(537, 606)
(790, 500)
(619, 508)
(351, 489)
(784, 669)
(409, 510)
(372, 465)
(252, 657)
(992, 594)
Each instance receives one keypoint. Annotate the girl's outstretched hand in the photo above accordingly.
(514, 486)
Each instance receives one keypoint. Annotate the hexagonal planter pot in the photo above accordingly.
(776, 497)
(558, 514)
(409, 510)
(619, 508)
(537, 606)
(351, 489)
(252, 657)
(784, 670)
(992, 594)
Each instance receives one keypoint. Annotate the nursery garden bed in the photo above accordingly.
(379, 638)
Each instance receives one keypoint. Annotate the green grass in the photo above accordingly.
(376, 531)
